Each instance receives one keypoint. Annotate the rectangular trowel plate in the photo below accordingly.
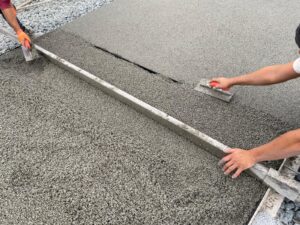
(203, 86)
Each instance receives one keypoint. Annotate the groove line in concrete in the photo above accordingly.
(127, 60)
(164, 77)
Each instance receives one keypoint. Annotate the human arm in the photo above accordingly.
(9, 13)
(238, 160)
(10, 16)
(265, 76)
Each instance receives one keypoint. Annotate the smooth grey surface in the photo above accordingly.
(72, 155)
(189, 40)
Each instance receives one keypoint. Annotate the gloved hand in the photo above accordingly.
(24, 39)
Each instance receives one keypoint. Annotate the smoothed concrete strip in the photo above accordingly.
(194, 39)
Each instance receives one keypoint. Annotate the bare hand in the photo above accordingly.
(237, 160)
(222, 83)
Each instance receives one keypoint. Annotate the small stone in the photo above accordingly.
(297, 217)
(287, 217)
(290, 206)
(282, 207)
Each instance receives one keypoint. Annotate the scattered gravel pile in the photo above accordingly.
(290, 213)
(49, 16)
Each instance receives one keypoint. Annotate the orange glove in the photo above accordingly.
(24, 39)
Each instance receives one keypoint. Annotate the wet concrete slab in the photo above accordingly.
(235, 124)
(73, 155)
(189, 40)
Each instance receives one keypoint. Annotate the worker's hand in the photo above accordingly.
(220, 82)
(24, 39)
(237, 161)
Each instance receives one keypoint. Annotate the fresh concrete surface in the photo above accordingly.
(73, 155)
(189, 40)
(235, 124)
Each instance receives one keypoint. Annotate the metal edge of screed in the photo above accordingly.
(202, 140)
(271, 202)
(25, 6)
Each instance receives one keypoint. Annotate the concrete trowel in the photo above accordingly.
(207, 87)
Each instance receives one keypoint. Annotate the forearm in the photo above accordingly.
(10, 16)
(287, 145)
(266, 76)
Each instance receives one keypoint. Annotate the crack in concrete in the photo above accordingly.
(169, 79)
(127, 60)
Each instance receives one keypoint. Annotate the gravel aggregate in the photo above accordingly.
(46, 17)
(49, 16)
(289, 213)
(254, 126)
(70, 154)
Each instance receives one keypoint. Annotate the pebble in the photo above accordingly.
(290, 206)
(297, 217)
(287, 217)
(297, 178)
(297, 205)
(289, 213)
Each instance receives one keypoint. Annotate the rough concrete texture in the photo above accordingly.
(235, 124)
(70, 154)
(193, 39)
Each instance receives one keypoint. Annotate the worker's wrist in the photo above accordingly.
(239, 80)
(232, 81)
(19, 31)
(256, 155)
